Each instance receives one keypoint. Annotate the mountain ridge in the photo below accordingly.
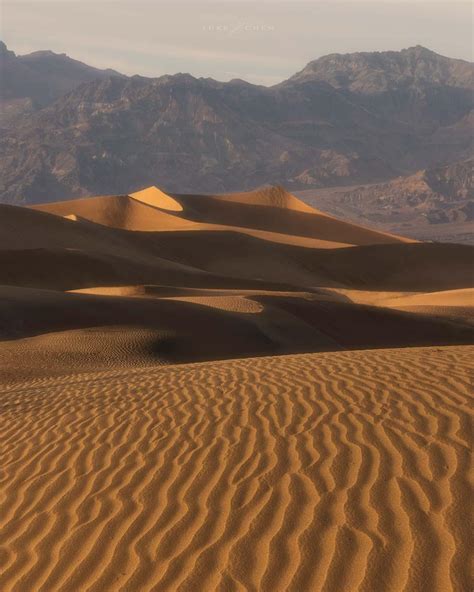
(188, 134)
(416, 57)
(42, 76)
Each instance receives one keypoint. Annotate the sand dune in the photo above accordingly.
(44, 332)
(43, 250)
(286, 297)
(270, 213)
(121, 211)
(143, 211)
(140, 291)
(398, 266)
(274, 197)
(125, 465)
(461, 297)
(153, 196)
(250, 211)
(464, 298)
(447, 303)
(339, 471)
(239, 304)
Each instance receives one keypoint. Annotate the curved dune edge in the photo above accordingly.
(449, 303)
(464, 313)
(152, 196)
(150, 290)
(72, 217)
(279, 197)
(118, 211)
(340, 471)
(239, 304)
(457, 303)
(463, 297)
(272, 196)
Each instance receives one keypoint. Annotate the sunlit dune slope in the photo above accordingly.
(447, 303)
(120, 211)
(461, 298)
(338, 471)
(153, 196)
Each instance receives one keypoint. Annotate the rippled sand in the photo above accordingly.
(335, 471)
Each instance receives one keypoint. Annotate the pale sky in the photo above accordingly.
(263, 41)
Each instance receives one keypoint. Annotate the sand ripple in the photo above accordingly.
(333, 472)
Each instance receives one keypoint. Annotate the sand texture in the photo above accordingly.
(337, 471)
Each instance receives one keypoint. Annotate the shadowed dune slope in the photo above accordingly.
(286, 220)
(398, 266)
(273, 197)
(177, 329)
(38, 249)
(337, 471)
(43, 250)
(192, 330)
(64, 269)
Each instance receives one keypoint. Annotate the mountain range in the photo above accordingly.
(33, 81)
(70, 130)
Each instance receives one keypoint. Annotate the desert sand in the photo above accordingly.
(230, 392)
(333, 471)
(448, 303)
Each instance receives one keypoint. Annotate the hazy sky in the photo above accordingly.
(261, 41)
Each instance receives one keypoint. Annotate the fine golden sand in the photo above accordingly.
(338, 471)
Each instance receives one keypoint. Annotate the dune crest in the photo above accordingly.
(463, 297)
(272, 196)
(152, 196)
(447, 303)
(119, 211)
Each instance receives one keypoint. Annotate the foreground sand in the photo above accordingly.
(335, 471)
